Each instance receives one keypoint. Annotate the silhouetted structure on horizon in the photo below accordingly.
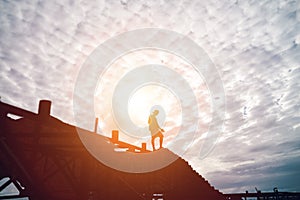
(47, 157)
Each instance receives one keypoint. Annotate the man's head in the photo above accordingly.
(155, 112)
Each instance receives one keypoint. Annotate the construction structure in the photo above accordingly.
(44, 158)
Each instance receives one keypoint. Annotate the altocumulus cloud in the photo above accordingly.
(254, 45)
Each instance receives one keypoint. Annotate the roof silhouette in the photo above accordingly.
(46, 159)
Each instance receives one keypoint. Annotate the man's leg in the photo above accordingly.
(153, 144)
(161, 138)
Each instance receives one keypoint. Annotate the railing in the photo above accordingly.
(125, 146)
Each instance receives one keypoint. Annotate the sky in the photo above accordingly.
(254, 46)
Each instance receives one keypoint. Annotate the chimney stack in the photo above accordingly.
(44, 108)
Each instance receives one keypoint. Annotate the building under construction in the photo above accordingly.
(44, 158)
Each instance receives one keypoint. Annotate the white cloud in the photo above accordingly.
(254, 45)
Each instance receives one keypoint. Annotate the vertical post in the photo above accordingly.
(96, 125)
(44, 108)
(115, 136)
(144, 147)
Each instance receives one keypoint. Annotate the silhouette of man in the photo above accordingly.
(155, 129)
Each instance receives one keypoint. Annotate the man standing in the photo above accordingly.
(155, 129)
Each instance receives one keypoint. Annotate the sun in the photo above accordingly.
(144, 99)
(128, 111)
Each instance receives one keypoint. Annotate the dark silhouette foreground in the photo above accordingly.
(47, 157)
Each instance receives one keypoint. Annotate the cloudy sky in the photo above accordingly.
(254, 46)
